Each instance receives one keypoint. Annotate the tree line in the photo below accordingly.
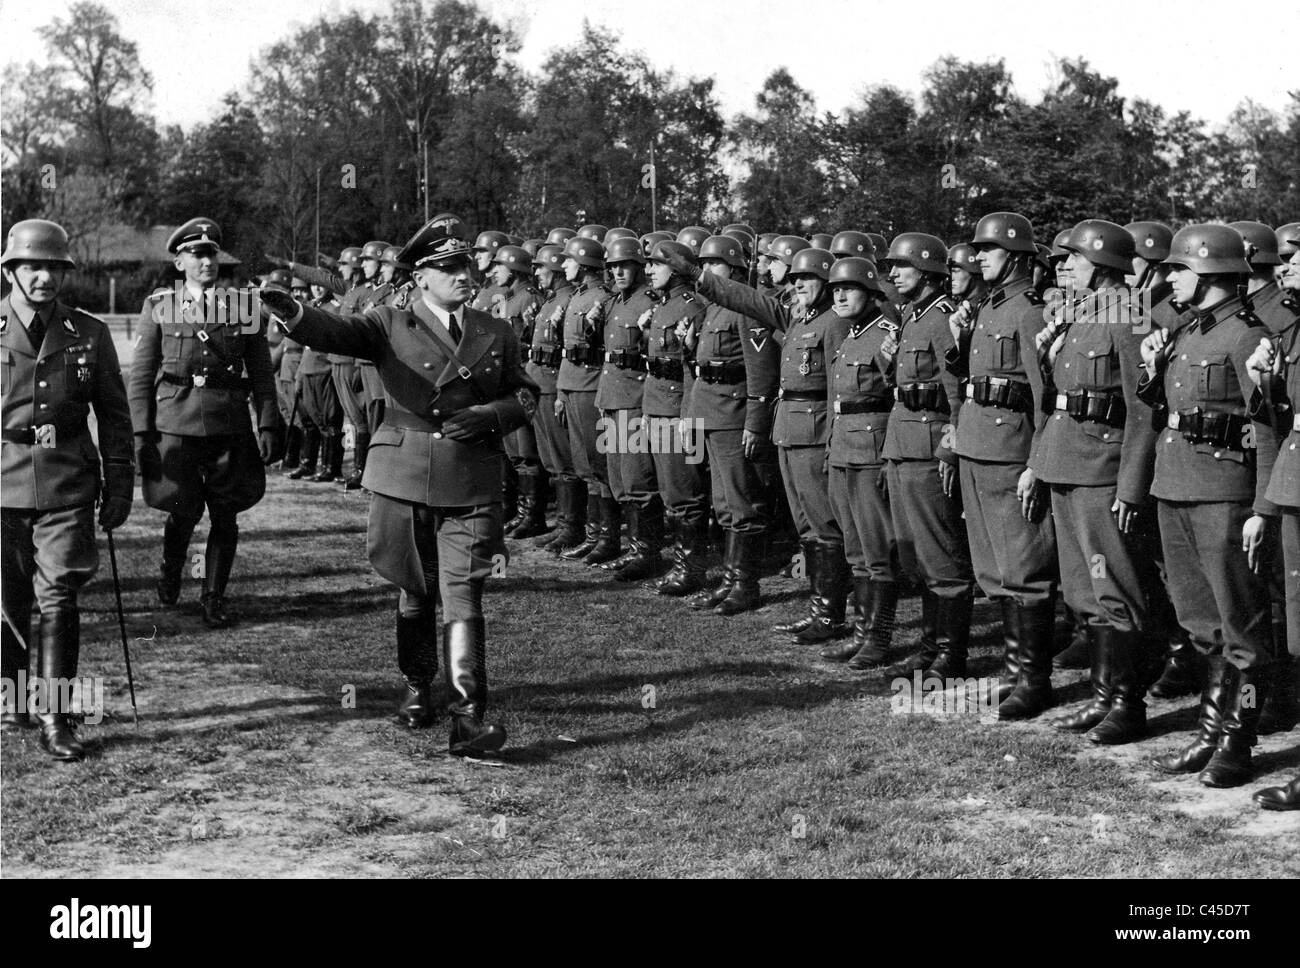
(425, 107)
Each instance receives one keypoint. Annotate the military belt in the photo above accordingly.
(411, 421)
(667, 370)
(801, 394)
(923, 396)
(582, 355)
(1000, 392)
(626, 359)
(34, 435)
(721, 371)
(212, 379)
(1100, 406)
(1227, 430)
(546, 356)
(1295, 423)
(862, 406)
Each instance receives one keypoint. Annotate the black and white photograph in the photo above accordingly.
(585, 439)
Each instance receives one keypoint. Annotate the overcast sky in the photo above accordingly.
(1182, 56)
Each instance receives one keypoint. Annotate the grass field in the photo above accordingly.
(645, 740)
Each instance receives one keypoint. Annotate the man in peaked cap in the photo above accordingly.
(455, 386)
(197, 359)
(58, 364)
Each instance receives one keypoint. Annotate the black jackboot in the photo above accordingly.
(1220, 684)
(417, 660)
(331, 459)
(176, 542)
(511, 492)
(609, 542)
(690, 551)
(1285, 797)
(358, 461)
(310, 451)
(810, 562)
(1279, 711)
(1230, 765)
(292, 448)
(60, 645)
(1127, 719)
(223, 539)
(1082, 720)
(465, 662)
(591, 531)
(645, 533)
(875, 604)
(1010, 649)
(1078, 651)
(532, 500)
(746, 556)
(830, 596)
(563, 491)
(710, 598)
(1033, 694)
(13, 657)
(927, 650)
(1183, 674)
(954, 623)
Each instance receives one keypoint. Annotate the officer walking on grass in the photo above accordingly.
(58, 364)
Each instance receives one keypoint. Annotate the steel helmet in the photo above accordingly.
(812, 262)
(279, 278)
(350, 257)
(784, 247)
(1058, 250)
(1151, 240)
(693, 237)
(1261, 243)
(37, 238)
(585, 251)
(725, 248)
(740, 227)
(848, 243)
(549, 256)
(558, 236)
(515, 240)
(765, 242)
(1103, 244)
(490, 241)
(515, 257)
(746, 241)
(923, 252)
(594, 231)
(1209, 249)
(1008, 230)
(624, 248)
(621, 232)
(373, 250)
(532, 245)
(677, 248)
(962, 256)
(649, 240)
(855, 270)
(1288, 240)
(878, 242)
(821, 240)
(389, 257)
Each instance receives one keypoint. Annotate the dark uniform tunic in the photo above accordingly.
(519, 308)
(51, 469)
(544, 368)
(194, 368)
(1212, 467)
(1098, 445)
(801, 428)
(622, 384)
(578, 381)
(860, 405)
(736, 377)
(677, 462)
(1012, 557)
(928, 524)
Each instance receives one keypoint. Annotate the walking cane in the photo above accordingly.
(121, 624)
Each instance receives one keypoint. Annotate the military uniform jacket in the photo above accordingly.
(583, 337)
(923, 342)
(1284, 481)
(859, 376)
(487, 294)
(286, 359)
(810, 340)
(729, 340)
(1276, 309)
(425, 381)
(401, 296)
(49, 458)
(666, 395)
(515, 309)
(621, 387)
(313, 362)
(548, 334)
(1165, 313)
(1102, 353)
(187, 377)
(1001, 347)
(312, 275)
(1204, 366)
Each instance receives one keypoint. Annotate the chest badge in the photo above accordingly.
(805, 365)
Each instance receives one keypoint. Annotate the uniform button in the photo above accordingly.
(1218, 453)
(428, 366)
(1205, 362)
(437, 413)
(998, 421)
(45, 406)
(924, 419)
(42, 384)
(1092, 353)
(1105, 436)
(1169, 440)
(437, 435)
(177, 334)
(1058, 416)
(1184, 356)
(1067, 366)
(1177, 384)
(975, 351)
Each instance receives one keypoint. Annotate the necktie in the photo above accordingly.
(454, 328)
(36, 332)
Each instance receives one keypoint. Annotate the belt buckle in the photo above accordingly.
(199, 379)
(1174, 420)
(1062, 402)
(837, 406)
(464, 372)
(1295, 422)
(44, 436)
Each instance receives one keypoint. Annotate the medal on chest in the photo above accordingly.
(805, 365)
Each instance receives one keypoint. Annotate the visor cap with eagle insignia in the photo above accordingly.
(439, 241)
(195, 233)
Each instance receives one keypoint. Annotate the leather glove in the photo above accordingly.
(113, 512)
(470, 425)
(266, 445)
(681, 265)
(147, 456)
(277, 302)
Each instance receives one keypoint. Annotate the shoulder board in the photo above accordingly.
(1249, 316)
(1291, 304)
(688, 296)
(1033, 296)
(945, 307)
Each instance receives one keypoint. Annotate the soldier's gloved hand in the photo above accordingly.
(681, 265)
(147, 456)
(113, 512)
(276, 302)
(1263, 360)
(266, 444)
(470, 425)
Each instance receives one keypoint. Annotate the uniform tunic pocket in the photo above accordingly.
(1005, 351)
